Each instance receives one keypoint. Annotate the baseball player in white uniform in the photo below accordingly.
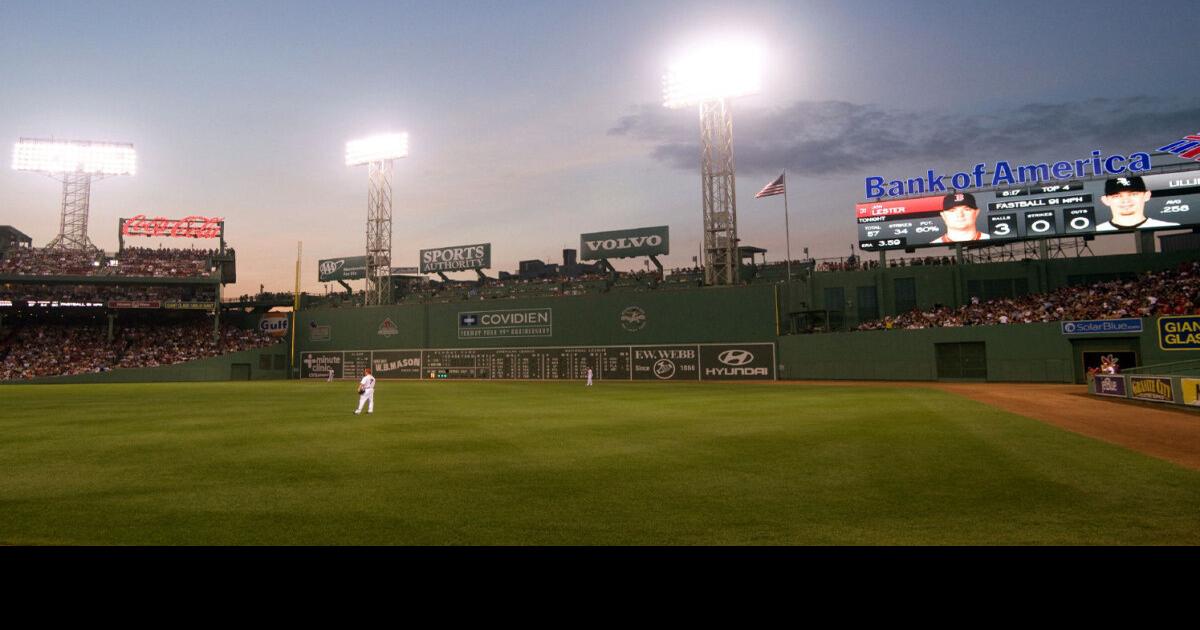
(589, 376)
(366, 392)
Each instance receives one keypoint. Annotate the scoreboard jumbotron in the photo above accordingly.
(1076, 208)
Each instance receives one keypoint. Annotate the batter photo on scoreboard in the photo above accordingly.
(1126, 198)
(960, 213)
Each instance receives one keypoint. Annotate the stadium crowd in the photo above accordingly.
(132, 261)
(164, 262)
(1171, 292)
(58, 349)
(105, 293)
(29, 261)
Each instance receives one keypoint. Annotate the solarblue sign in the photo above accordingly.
(1100, 326)
(1006, 174)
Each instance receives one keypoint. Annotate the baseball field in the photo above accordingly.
(512, 463)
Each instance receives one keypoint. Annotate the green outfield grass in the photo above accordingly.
(556, 463)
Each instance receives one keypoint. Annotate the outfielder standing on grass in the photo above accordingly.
(366, 392)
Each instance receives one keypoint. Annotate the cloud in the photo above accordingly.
(836, 137)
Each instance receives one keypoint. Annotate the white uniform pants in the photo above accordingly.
(369, 398)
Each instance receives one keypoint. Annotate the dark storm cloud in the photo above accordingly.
(833, 137)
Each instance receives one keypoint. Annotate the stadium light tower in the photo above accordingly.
(378, 153)
(75, 163)
(709, 77)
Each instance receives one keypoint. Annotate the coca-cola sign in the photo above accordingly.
(187, 227)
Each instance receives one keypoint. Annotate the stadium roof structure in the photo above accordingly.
(10, 235)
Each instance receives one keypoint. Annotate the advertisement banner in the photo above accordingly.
(741, 362)
(647, 241)
(1123, 202)
(1155, 388)
(396, 363)
(344, 268)
(1179, 332)
(276, 324)
(1099, 326)
(1110, 385)
(456, 258)
(530, 322)
(188, 227)
(666, 363)
(320, 333)
(1191, 390)
(319, 364)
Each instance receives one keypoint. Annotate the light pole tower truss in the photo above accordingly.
(378, 153)
(73, 219)
(710, 77)
(719, 193)
(75, 163)
(379, 232)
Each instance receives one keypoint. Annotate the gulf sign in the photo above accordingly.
(273, 323)
(456, 258)
(647, 241)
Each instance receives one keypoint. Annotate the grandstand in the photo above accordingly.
(70, 312)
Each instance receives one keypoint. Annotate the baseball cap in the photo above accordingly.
(955, 199)
(1124, 184)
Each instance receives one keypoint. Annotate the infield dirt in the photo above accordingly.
(1160, 431)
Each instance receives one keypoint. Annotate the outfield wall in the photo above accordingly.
(740, 315)
(268, 363)
(1037, 352)
(1165, 389)
(705, 315)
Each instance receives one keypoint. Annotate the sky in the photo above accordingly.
(533, 122)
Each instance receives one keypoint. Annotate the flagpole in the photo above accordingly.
(787, 230)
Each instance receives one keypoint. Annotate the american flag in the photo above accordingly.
(774, 188)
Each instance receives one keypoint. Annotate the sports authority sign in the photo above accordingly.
(456, 258)
(530, 322)
(344, 268)
(187, 227)
(647, 241)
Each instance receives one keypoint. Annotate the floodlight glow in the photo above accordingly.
(713, 72)
(74, 156)
(376, 149)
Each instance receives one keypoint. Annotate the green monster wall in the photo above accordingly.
(734, 314)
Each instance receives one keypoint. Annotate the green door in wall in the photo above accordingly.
(239, 372)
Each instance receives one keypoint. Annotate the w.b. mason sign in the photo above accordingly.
(647, 241)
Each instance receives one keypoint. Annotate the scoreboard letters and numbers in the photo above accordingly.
(680, 362)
